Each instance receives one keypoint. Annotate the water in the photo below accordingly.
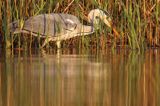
(117, 78)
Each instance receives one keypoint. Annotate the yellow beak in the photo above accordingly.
(108, 22)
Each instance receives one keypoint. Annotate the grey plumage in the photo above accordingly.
(57, 26)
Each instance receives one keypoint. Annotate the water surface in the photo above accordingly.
(107, 78)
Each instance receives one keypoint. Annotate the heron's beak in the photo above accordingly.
(108, 22)
(115, 32)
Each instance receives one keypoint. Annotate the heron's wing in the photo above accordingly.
(41, 24)
(50, 24)
(70, 25)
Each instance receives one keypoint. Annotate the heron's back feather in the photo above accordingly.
(50, 24)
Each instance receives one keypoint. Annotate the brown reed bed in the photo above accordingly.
(137, 22)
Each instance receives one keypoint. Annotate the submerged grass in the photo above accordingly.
(136, 21)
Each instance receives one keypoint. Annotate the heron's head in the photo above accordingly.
(97, 15)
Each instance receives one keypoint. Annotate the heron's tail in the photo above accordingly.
(14, 27)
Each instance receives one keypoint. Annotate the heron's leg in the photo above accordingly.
(47, 40)
(58, 43)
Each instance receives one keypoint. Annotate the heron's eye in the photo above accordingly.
(97, 17)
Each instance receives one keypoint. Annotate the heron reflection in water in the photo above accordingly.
(60, 26)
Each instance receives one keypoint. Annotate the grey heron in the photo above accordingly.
(60, 26)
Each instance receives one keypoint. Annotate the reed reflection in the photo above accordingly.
(117, 79)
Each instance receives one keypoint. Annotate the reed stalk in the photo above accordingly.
(0, 22)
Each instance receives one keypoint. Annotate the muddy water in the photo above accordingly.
(119, 78)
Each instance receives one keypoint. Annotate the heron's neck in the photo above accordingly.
(95, 24)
